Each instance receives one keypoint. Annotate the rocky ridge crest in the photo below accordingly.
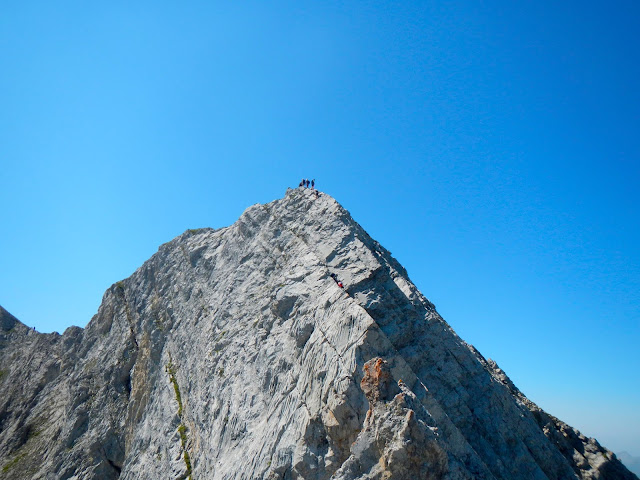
(233, 354)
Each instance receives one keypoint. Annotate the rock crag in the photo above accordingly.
(233, 354)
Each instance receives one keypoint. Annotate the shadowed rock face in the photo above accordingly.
(233, 354)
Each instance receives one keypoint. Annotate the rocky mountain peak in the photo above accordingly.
(289, 345)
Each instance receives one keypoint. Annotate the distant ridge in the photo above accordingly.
(629, 461)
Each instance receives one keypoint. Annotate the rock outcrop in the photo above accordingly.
(234, 354)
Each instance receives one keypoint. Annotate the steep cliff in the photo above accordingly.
(234, 354)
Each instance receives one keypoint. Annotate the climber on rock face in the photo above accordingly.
(335, 279)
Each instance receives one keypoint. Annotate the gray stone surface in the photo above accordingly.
(233, 354)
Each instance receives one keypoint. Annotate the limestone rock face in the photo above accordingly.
(396, 440)
(234, 354)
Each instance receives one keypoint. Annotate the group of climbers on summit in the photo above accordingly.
(305, 183)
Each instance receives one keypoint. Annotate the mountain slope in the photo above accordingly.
(629, 461)
(234, 354)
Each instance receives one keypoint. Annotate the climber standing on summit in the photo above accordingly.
(313, 184)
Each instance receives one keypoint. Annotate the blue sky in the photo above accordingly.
(493, 147)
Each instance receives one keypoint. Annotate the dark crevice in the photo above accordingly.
(127, 385)
(120, 291)
(116, 467)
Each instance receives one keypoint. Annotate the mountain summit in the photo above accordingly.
(236, 354)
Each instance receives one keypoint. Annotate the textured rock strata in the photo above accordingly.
(233, 354)
(396, 440)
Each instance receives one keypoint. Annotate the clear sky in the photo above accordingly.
(493, 147)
